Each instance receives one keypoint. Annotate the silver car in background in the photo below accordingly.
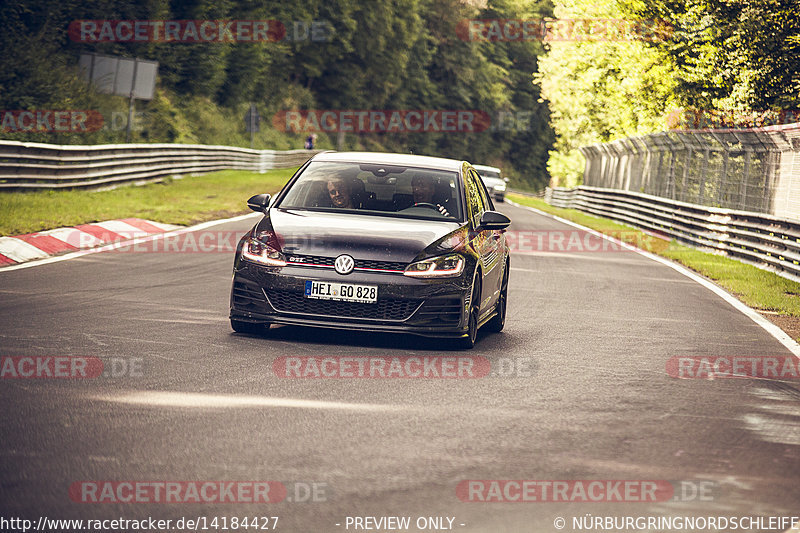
(493, 180)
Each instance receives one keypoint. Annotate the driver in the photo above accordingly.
(423, 189)
(340, 194)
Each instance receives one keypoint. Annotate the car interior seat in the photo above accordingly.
(318, 196)
(358, 193)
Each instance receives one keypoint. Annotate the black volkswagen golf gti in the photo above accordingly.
(376, 242)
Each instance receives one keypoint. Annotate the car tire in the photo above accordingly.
(252, 328)
(498, 322)
(468, 342)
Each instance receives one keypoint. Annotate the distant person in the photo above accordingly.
(340, 193)
(423, 189)
(309, 142)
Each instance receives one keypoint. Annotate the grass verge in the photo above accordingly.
(184, 201)
(776, 297)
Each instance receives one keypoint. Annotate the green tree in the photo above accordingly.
(601, 90)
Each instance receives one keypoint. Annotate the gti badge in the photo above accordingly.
(344, 264)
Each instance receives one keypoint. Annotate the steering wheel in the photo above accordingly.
(426, 204)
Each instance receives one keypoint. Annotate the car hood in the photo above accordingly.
(362, 236)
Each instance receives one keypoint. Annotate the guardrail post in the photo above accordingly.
(745, 181)
(266, 161)
(703, 172)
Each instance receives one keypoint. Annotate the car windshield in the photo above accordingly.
(375, 189)
(489, 174)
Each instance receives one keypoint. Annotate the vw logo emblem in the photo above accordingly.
(344, 264)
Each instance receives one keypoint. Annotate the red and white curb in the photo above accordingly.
(32, 246)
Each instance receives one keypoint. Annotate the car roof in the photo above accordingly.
(392, 159)
(484, 167)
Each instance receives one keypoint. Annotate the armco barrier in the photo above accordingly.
(764, 240)
(49, 166)
(529, 194)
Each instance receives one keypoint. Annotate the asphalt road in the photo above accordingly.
(584, 395)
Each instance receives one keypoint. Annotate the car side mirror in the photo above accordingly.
(494, 220)
(259, 203)
(505, 179)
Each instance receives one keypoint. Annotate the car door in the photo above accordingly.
(495, 245)
(487, 243)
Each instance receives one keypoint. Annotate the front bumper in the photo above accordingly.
(428, 307)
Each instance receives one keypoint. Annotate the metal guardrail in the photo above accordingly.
(766, 241)
(49, 166)
(539, 194)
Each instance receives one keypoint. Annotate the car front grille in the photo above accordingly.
(384, 309)
(310, 260)
(381, 265)
(316, 260)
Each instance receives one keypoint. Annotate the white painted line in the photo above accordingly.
(19, 250)
(206, 401)
(121, 244)
(771, 328)
(164, 227)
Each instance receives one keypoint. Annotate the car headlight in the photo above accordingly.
(261, 252)
(445, 266)
(500, 188)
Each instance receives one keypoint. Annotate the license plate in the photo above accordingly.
(345, 292)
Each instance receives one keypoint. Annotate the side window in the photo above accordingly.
(474, 200)
(487, 203)
(487, 200)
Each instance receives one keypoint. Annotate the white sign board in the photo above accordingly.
(120, 76)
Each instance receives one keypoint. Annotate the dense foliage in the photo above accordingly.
(376, 55)
(545, 99)
(717, 63)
